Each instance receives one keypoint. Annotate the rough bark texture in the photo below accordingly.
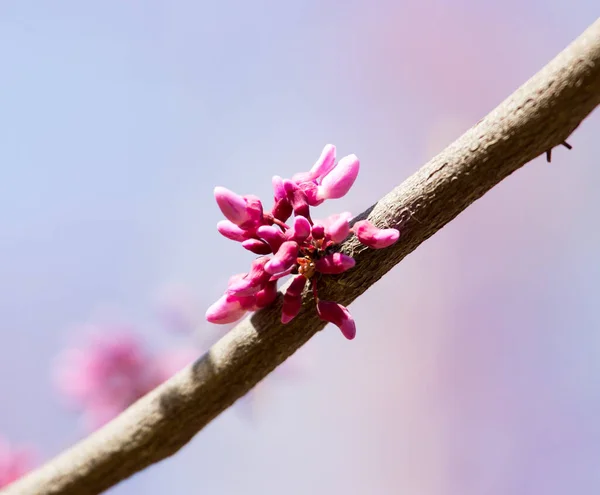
(537, 117)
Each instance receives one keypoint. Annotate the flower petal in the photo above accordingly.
(321, 167)
(267, 295)
(243, 211)
(334, 263)
(271, 235)
(318, 231)
(232, 231)
(374, 237)
(284, 258)
(339, 181)
(225, 310)
(257, 246)
(253, 282)
(292, 300)
(278, 189)
(297, 199)
(338, 315)
(339, 227)
(300, 230)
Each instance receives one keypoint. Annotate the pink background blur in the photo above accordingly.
(476, 368)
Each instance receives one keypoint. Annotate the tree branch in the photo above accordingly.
(537, 117)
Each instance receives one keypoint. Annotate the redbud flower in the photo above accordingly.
(110, 372)
(321, 167)
(227, 309)
(15, 462)
(306, 249)
(232, 231)
(284, 258)
(256, 246)
(338, 315)
(334, 263)
(292, 301)
(374, 237)
(244, 211)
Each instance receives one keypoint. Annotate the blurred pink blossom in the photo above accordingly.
(14, 462)
(112, 370)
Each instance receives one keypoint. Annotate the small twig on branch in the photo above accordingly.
(537, 117)
(549, 151)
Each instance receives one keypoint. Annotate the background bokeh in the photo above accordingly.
(476, 368)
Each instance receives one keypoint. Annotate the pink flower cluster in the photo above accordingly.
(14, 462)
(305, 248)
(111, 371)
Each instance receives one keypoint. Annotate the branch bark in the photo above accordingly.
(537, 117)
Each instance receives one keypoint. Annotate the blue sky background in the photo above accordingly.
(475, 369)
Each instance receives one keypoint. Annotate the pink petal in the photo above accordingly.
(374, 237)
(243, 211)
(292, 300)
(339, 181)
(321, 167)
(311, 192)
(232, 231)
(282, 210)
(338, 315)
(254, 281)
(226, 310)
(254, 212)
(278, 189)
(300, 230)
(256, 246)
(272, 235)
(283, 259)
(266, 296)
(339, 227)
(325, 163)
(318, 232)
(297, 199)
(334, 263)
(231, 204)
(277, 276)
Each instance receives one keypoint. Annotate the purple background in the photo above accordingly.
(476, 368)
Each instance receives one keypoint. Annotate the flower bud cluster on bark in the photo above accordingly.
(303, 248)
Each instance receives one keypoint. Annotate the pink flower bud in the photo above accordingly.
(297, 199)
(339, 316)
(277, 276)
(256, 246)
(254, 212)
(318, 232)
(231, 204)
(282, 210)
(292, 300)
(339, 228)
(253, 282)
(300, 230)
(321, 167)
(339, 181)
(232, 231)
(226, 310)
(243, 211)
(278, 189)
(374, 237)
(334, 263)
(271, 235)
(311, 191)
(267, 295)
(283, 258)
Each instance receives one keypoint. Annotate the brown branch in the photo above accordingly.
(537, 117)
